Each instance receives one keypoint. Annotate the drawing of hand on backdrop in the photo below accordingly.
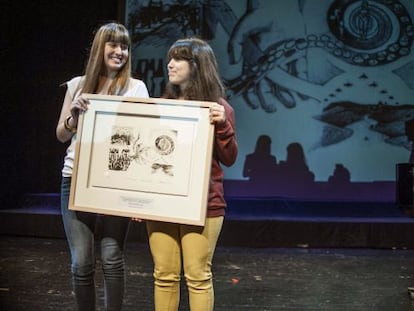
(271, 51)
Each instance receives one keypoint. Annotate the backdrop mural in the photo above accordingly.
(323, 90)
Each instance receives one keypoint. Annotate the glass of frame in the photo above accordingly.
(146, 158)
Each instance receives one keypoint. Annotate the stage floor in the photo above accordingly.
(34, 276)
(252, 222)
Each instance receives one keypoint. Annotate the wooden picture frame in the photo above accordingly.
(143, 158)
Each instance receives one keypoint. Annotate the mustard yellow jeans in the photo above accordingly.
(192, 247)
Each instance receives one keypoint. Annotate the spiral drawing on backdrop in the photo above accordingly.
(360, 33)
(276, 65)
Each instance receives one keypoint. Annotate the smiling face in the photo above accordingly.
(179, 72)
(115, 56)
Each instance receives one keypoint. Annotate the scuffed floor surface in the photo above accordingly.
(34, 275)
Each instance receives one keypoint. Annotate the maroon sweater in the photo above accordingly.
(224, 152)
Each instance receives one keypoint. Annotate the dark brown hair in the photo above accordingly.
(205, 83)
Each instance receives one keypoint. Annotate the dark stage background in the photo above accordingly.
(45, 44)
(47, 41)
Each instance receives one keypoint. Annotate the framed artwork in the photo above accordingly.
(146, 158)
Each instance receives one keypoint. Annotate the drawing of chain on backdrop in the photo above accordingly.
(359, 33)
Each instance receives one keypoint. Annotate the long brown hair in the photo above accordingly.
(204, 82)
(111, 32)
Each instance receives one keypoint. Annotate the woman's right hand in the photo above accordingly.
(79, 105)
(69, 116)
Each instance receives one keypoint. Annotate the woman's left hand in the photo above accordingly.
(217, 114)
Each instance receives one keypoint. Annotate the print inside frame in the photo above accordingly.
(147, 158)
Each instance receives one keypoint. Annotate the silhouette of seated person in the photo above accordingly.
(260, 165)
(341, 175)
(294, 171)
(409, 131)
